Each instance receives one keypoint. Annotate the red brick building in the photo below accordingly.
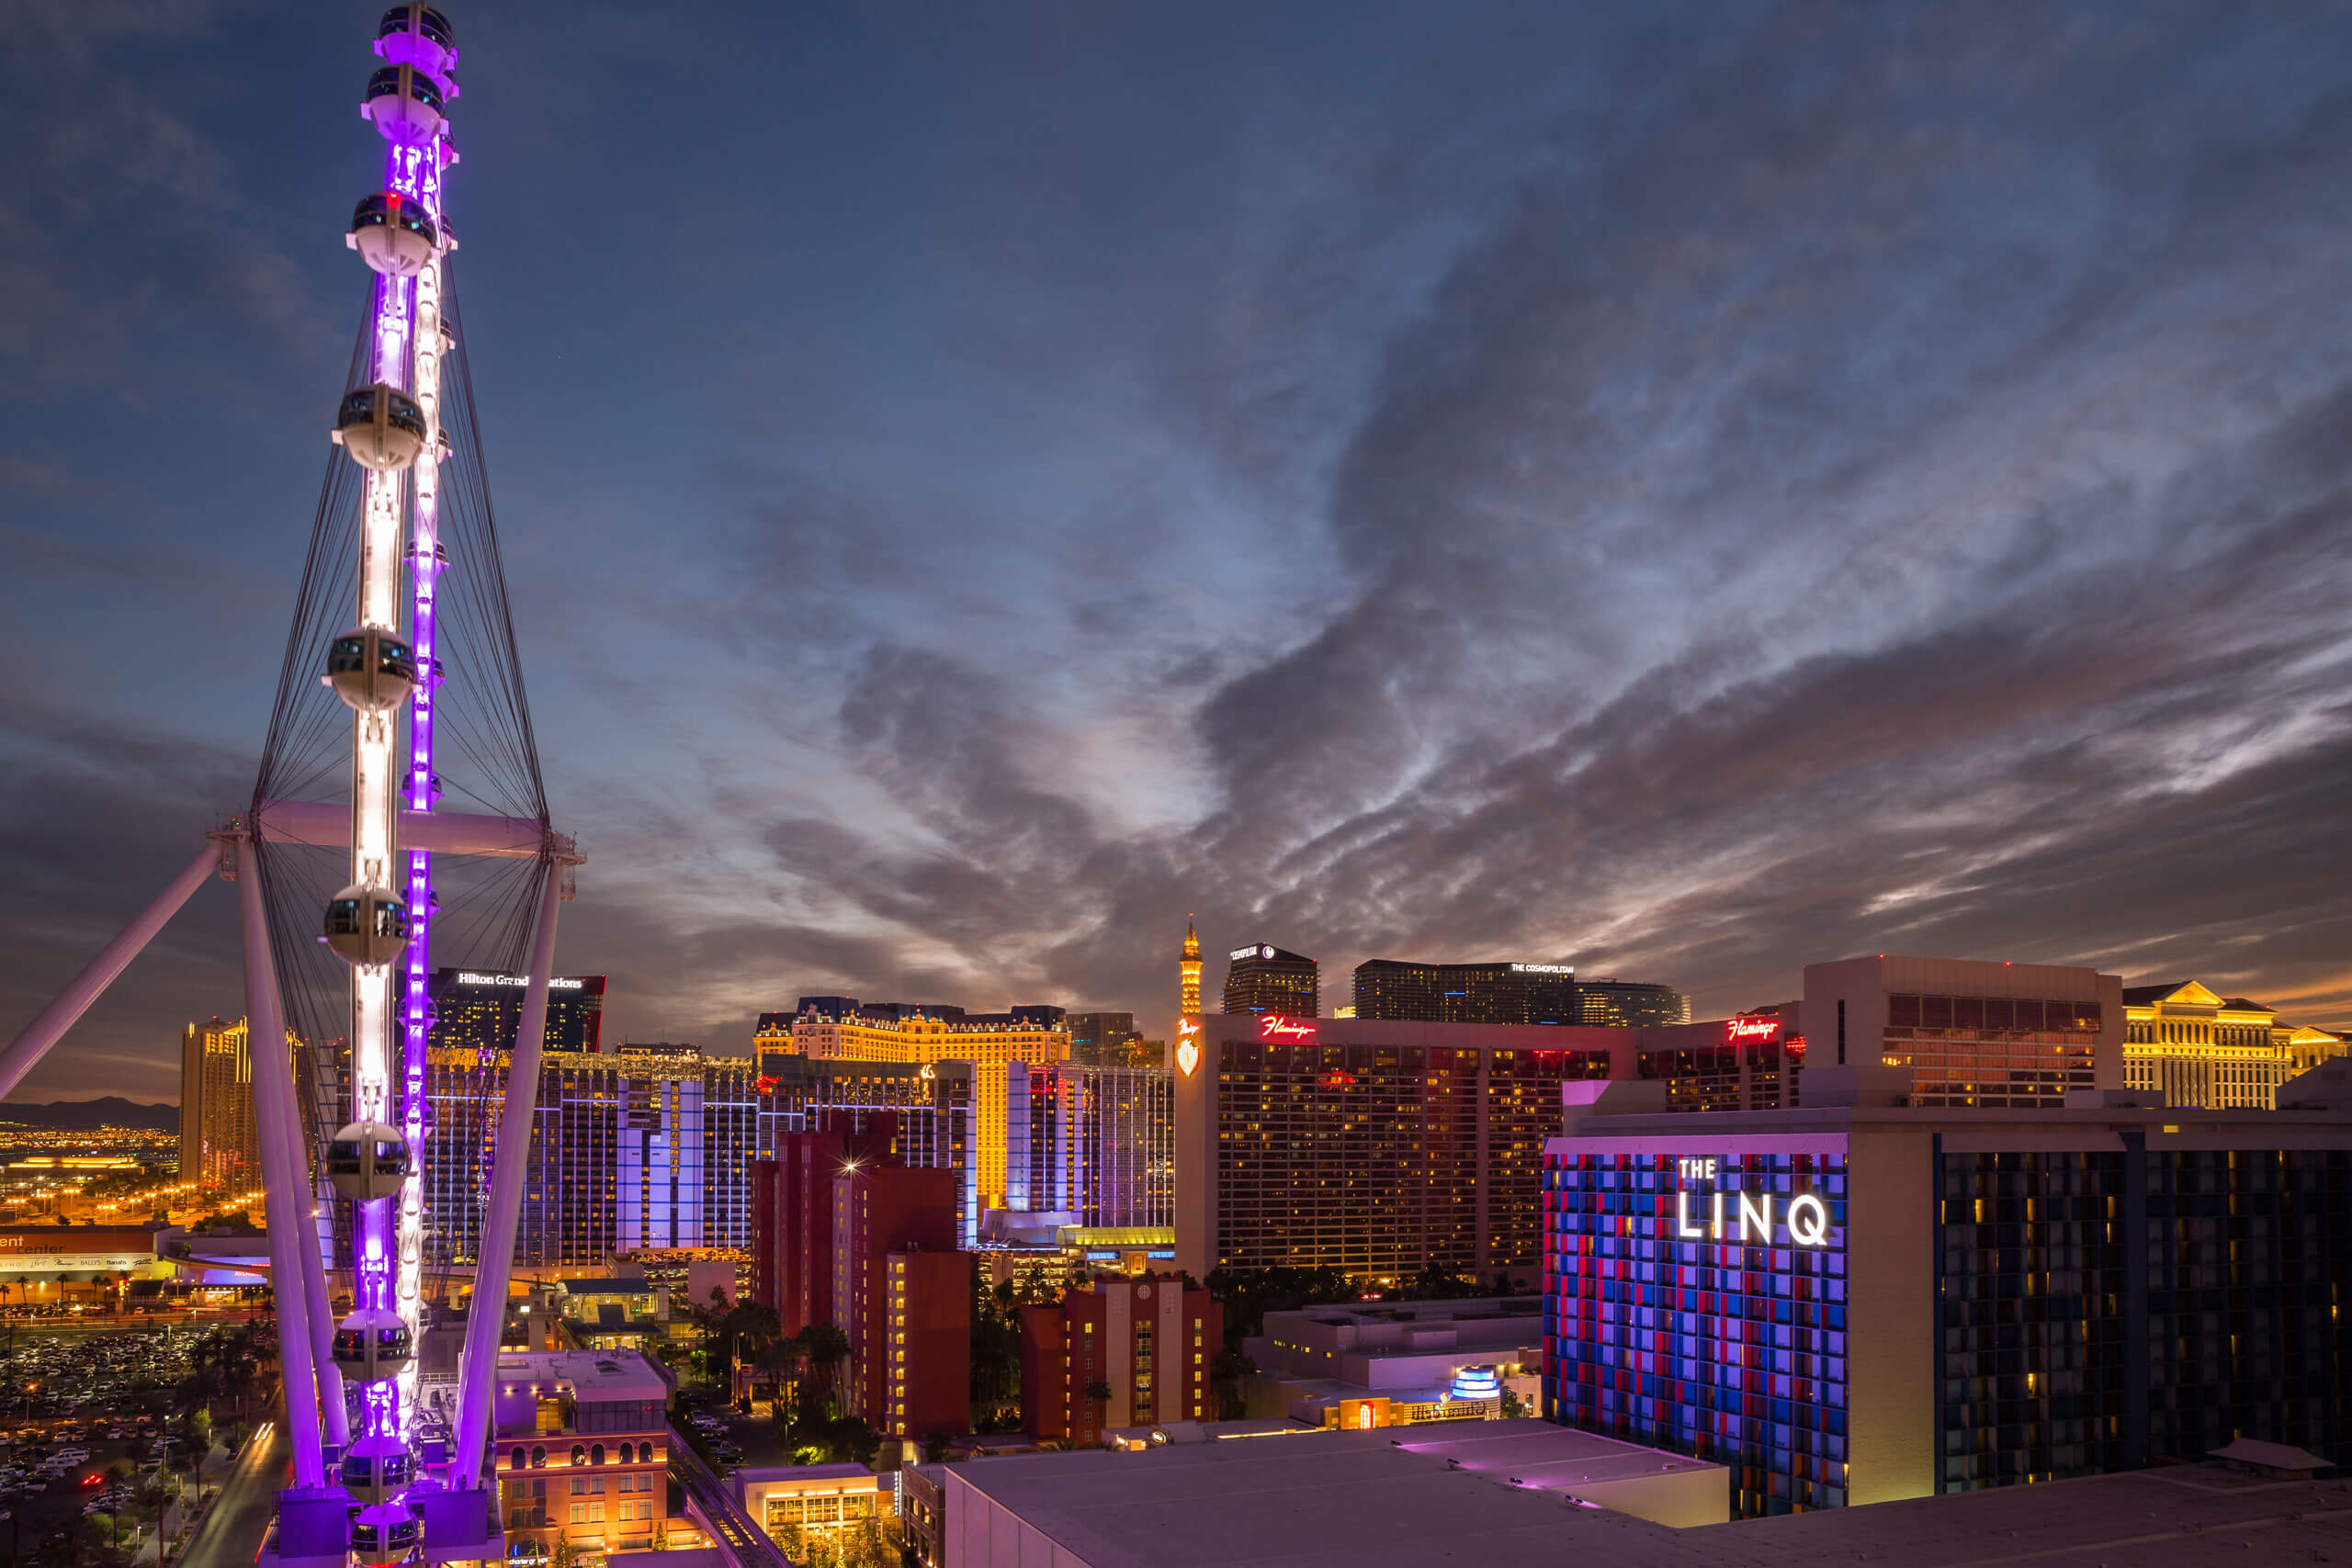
(1150, 1340)
(902, 1293)
(792, 1211)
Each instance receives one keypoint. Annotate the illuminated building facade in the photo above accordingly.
(2196, 1046)
(841, 1029)
(1467, 993)
(645, 1148)
(480, 1010)
(1630, 1004)
(1868, 1302)
(1150, 1342)
(1099, 1144)
(820, 1502)
(581, 1446)
(933, 1111)
(220, 1144)
(1751, 1061)
(1107, 1040)
(1264, 979)
(1378, 1147)
(1953, 1033)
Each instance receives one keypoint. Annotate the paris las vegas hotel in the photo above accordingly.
(1935, 1225)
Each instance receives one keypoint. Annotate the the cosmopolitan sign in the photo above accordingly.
(1274, 1026)
(555, 983)
(1806, 1221)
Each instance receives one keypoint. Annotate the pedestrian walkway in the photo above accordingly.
(711, 1503)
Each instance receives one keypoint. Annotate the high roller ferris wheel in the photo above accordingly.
(401, 668)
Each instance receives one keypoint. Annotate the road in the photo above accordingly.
(711, 1503)
(232, 1533)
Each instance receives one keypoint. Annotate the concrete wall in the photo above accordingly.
(981, 1533)
(1891, 1317)
(1681, 1498)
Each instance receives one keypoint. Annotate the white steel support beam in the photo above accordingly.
(510, 1158)
(440, 832)
(312, 1280)
(285, 1173)
(34, 1042)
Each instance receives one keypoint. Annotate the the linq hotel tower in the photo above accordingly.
(1967, 1258)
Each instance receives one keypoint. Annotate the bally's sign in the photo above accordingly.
(1752, 1219)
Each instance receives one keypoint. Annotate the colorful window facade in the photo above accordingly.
(1728, 1345)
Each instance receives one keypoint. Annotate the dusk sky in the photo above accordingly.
(1681, 489)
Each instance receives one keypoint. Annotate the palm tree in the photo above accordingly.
(827, 1348)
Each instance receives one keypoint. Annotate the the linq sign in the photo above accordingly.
(1751, 1218)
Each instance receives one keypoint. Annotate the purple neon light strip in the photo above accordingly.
(417, 172)
(375, 1230)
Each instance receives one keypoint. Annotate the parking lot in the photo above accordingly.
(94, 1438)
(723, 1433)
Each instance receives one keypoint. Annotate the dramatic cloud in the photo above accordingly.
(1687, 491)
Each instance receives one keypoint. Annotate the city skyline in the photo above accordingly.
(1400, 499)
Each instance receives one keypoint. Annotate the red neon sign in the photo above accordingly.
(1739, 1029)
(1274, 1026)
(766, 1084)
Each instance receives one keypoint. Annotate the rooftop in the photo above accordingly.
(768, 1474)
(1477, 1309)
(1390, 1499)
(1386, 1498)
(589, 1374)
(2180, 1127)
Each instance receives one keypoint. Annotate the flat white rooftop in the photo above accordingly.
(591, 1375)
(829, 1474)
(2185, 1516)
(1313, 1500)
(1352, 1500)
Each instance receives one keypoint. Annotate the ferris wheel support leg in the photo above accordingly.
(312, 1272)
(45, 1030)
(285, 1173)
(494, 1269)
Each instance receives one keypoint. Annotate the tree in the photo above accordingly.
(1226, 1374)
(1247, 1295)
(752, 1330)
(827, 1348)
(849, 1440)
(995, 1355)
